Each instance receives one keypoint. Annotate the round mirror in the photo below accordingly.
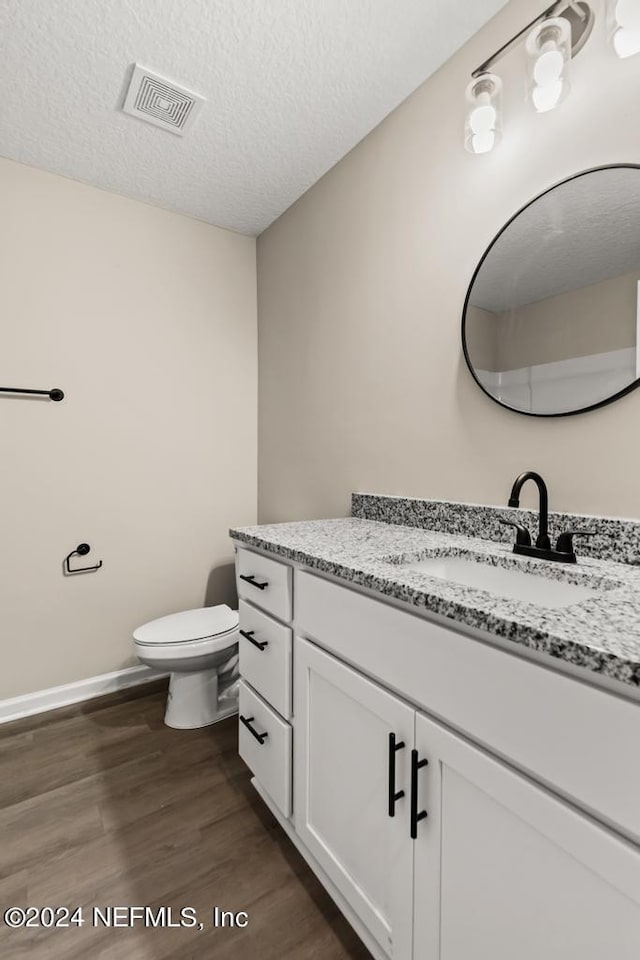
(550, 323)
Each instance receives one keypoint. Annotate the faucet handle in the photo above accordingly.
(523, 537)
(565, 540)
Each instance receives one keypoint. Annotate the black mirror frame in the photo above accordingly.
(505, 406)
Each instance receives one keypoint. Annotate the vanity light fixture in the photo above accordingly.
(553, 37)
(549, 52)
(625, 16)
(483, 126)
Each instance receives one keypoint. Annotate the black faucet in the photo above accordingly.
(563, 552)
(542, 542)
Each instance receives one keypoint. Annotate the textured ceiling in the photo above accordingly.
(291, 86)
(585, 231)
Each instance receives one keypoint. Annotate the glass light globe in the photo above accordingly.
(482, 120)
(626, 43)
(548, 67)
(547, 97)
(482, 126)
(548, 49)
(483, 142)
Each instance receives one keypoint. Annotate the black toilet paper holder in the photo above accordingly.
(80, 551)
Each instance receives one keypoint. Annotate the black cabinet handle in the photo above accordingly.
(247, 721)
(415, 816)
(248, 635)
(254, 583)
(393, 793)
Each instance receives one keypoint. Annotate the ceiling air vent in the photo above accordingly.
(160, 101)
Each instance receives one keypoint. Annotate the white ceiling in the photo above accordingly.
(585, 231)
(291, 86)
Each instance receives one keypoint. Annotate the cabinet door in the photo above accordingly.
(522, 874)
(343, 758)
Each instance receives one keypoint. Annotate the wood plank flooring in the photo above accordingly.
(102, 805)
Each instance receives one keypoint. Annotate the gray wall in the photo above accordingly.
(361, 286)
(147, 320)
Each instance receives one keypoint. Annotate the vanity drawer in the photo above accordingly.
(265, 656)
(264, 582)
(266, 750)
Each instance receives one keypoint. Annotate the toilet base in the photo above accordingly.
(192, 701)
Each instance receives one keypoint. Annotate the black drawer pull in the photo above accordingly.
(393, 793)
(254, 583)
(260, 737)
(415, 816)
(248, 635)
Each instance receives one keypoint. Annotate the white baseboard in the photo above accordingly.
(54, 697)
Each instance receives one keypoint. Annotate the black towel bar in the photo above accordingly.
(54, 394)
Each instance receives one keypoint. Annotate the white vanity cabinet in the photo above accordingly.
(265, 656)
(264, 740)
(353, 741)
(476, 860)
(439, 798)
(265, 732)
(265, 582)
(519, 873)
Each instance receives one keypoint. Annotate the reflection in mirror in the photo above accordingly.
(552, 314)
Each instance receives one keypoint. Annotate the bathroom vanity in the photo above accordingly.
(457, 765)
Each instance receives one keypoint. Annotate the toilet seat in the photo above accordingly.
(186, 650)
(202, 625)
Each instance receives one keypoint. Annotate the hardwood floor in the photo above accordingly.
(101, 805)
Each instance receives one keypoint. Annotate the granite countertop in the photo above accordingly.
(601, 634)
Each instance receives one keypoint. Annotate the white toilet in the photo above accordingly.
(198, 648)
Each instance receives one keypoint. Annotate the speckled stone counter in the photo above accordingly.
(612, 537)
(600, 634)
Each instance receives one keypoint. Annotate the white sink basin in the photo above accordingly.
(506, 583)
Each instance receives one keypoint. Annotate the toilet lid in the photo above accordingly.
(188, 625)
